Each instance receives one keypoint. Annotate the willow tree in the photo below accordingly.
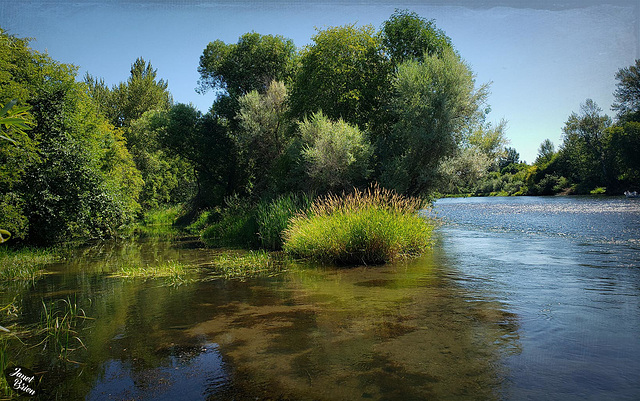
(435, 102)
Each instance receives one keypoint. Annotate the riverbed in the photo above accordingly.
(520, 298)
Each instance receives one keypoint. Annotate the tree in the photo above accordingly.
(129, 100)
(490, 140)
(546, 151)
(435, 101)
(250, 64)
(264, 135)
(407, 36)
(585, 145)
(337, 155)
(71, 175)
(627, 93)
(344, 74)
(203, 141)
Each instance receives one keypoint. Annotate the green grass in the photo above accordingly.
(250, 264)
(24, 263)
(371, 227)
(159, 222)
(174, 273)
(274, 217)
(60, 321)
(233, 227)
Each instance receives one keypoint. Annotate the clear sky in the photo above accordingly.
(543, 57)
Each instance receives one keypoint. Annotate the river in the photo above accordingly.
(520, 298)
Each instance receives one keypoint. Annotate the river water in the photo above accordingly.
(520, 298)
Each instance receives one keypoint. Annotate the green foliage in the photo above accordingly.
(202, 141)
(60, 325)
(234, 227)
(169, 268)
(627, 93)
(168, 178)
(264, 137)
(24, 263)
(273, 217)
(585, 146)
(337, 155)
(128, 101)
(545, 152)
(375, 226)
(245, 265)
(435, 101)
(251, 64)
(407, 36)
(71, 175)
(159, 222)
(344, 74)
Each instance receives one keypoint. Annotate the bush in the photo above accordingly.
(371, 227)
(234, 227)
(273, 217)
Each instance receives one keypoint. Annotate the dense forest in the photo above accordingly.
(396, 106)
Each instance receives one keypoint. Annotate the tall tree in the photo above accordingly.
(407, 36)
(546, 151)
(585, 145)
(72, 174)
(344, 74)
(250, 64)
(435, 102)
(627, 93)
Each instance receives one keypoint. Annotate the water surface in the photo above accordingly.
(520, 298)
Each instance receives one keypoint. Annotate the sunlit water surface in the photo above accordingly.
(520, 298)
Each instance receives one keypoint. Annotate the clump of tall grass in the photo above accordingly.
(60, 321)
(250, 264)
(274, 217)
(371, 227)
(24, 263)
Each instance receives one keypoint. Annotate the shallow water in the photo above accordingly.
(520, 298)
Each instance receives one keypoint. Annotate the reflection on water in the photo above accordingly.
(515, 306)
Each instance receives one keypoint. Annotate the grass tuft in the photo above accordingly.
(371, 227)
(249, 264)
(24, 263)
(174, 272)
(60, 321)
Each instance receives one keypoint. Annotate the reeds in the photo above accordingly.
(174, 272)
(274, 217)
(24, 264)
(59, 325)
(246, 265)
(365, 227)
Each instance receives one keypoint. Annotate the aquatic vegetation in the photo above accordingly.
(159, 222)
(250, 264)
(60, 326)
(173, 271)
(274, 217)
(25, 263)
(370, 227)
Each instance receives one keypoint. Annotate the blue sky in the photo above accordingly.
(543, 57)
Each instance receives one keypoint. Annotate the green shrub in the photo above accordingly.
(234, 227)
(599, 191)
(371, 227)
(273, 217)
